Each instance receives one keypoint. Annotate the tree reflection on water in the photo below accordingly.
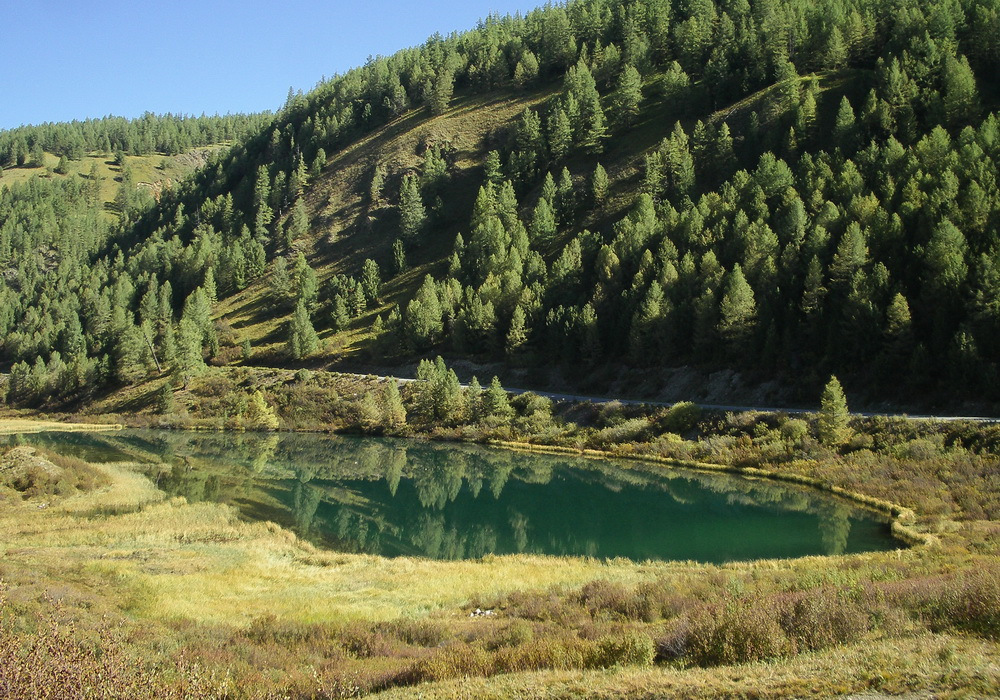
(408, 498)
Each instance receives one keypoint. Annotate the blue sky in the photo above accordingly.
(67, 60)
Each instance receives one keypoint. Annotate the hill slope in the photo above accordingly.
(786, 189)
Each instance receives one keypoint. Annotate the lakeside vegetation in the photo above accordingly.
(186, 598)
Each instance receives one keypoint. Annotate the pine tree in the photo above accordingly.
(526, 71)
(833, 425)
(495, 402)
(393, 411)
(260, 416)
(190, 360)
(737, 310)
(517, 334)
(302, 338)
(423, 322)
(444, 85)
(369, 412)
(599, 185)
(628, 96)
(412, 215)
(560, 135)
(543, 222)
(298, 222)
(166, 399)
(959, 95)
(306, 284)
(371, 281)
(377, 183)
(474, 401)
(398, 256)
(340, 319)
(945, 258)
(844, 127)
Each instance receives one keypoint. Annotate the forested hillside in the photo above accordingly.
(788, 188)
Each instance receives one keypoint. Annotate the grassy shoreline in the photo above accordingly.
(263, 614)
(13, 426)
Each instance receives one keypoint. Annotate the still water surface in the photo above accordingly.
(452, 501)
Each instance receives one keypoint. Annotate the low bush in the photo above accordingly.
(629, 648)
(736, 632)
(681, 417)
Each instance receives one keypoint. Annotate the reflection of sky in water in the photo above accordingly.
(441, 500)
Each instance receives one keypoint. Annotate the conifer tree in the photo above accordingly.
(495, 402)
(340, 319)
(166, 399)
(737, 310)
(260, 416)
(628, 96)
(599, 185)
(398, 256)
(302, 338)
(304, 278)
(833, 426)
(844, 127)
(474, 401)
(517, 334)
(190, 360)
(412, 214)
(371, 281)
(543, 222)
(393, 411)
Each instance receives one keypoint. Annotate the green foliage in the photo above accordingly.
(165, 399)
(628, 96)
(833, 427)
(371, 281)
(391, 405)
(259, 415)
(599, 185)
(302, 339)
(439, 392)
(494, 401)
(412, 214)
(886, 188)
(681, 417)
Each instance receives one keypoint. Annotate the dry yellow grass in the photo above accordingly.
(970, 667)
(12, 426)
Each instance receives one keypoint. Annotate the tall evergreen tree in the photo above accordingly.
(833, 426)
(302, 338)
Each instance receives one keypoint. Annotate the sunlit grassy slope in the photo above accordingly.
(153, 172)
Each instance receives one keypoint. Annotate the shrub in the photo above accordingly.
(631, 430)
(453, 661)
(794, 431)
(540, 654)
(421, 633)
(672, 645)
(822, 618)
(627, 649)
(970, 602)
(736, 633)
(681, 417)
(515, 633)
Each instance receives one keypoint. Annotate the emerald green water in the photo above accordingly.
(450, 501)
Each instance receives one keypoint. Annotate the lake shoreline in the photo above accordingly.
(901, 518)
